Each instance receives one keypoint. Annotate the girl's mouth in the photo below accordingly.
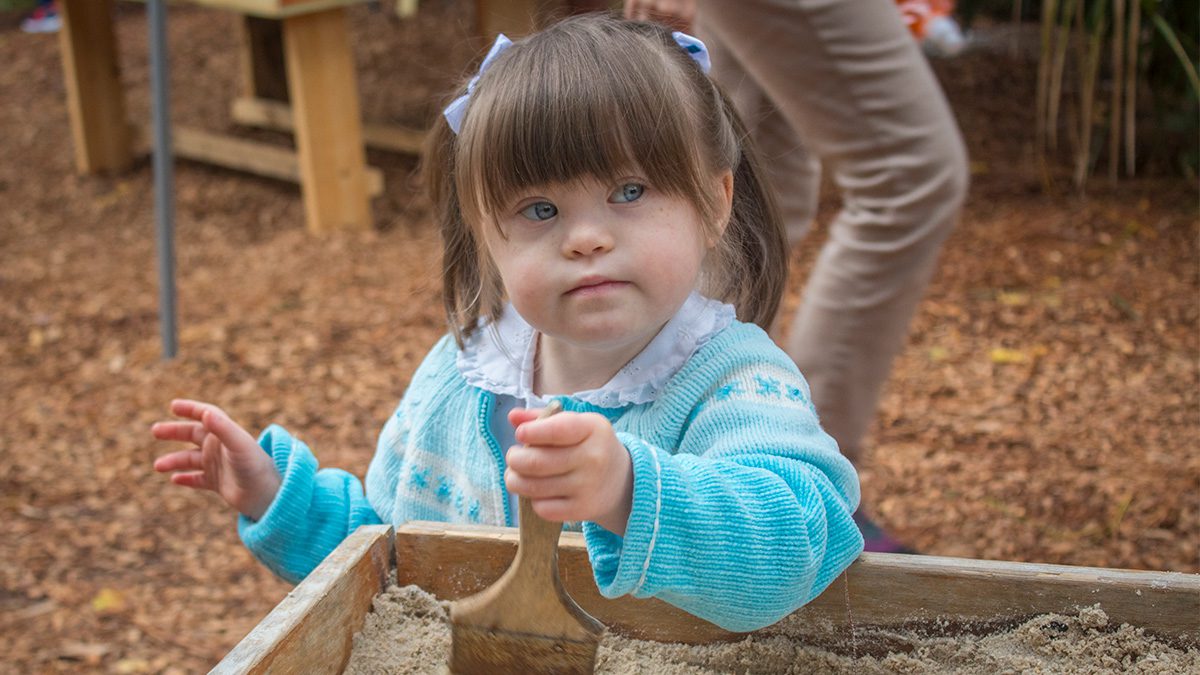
(595, 286)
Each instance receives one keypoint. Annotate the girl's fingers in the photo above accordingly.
(183, 460)
(212, 448)
(519, 416)
(231, 434)
(559, 430)
(556, 487)
(192, 432)
(192, 479)
(556, 509)
(183, 407)
(538, 462)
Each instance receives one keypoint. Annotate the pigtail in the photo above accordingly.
(756, 233)
(461, 282)
(751, 259)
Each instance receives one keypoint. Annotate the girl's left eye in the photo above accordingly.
(628, 192)
(540, 211)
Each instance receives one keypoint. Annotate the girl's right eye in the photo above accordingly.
(540, 211)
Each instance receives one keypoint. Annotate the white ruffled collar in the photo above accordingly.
(499, 357)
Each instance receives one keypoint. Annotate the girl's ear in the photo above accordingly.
(724, 205)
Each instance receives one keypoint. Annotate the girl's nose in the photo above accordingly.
(586, 239)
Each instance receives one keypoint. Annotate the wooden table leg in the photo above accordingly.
(264, 73)
(329, 139)
(95, 103)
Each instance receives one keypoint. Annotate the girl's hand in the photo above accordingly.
(224, 457)
(677, 14)
(572, 467)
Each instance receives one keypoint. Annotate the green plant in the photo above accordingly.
(1141, 53)
(1150, 41)
(17, 5)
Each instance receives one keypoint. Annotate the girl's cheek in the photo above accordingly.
(521, 295)
(527, 304)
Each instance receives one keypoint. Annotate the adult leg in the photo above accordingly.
(850, 79)
(793, 172)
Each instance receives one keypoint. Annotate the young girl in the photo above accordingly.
(608, 244)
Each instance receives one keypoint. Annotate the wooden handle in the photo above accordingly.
(538, 546)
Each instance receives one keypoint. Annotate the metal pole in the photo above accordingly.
(164, 205)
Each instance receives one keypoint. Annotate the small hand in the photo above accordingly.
(225, 458)
(676, 14)
(572, 467)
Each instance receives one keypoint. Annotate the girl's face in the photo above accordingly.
(600, 266)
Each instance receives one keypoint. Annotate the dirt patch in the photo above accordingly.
(1047, 407)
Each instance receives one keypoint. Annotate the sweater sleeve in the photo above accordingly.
(748, 520)
(314, 510)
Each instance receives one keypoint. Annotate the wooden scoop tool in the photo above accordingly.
(525, 622)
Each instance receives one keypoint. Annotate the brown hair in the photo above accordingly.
(592, 96)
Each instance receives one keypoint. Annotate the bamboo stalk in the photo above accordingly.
(1118, 72)
(1072, 110)
(1057, 70)
(1089, 73)
(1172, 40)
(1131, 59)
(1076, 58)
(1049, 9)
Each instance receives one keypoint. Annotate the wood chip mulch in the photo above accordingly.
(1047, 407)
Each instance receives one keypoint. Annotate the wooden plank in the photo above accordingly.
(312, 629)
(878, 591)
(321, 79)
(261, 159)
(276, 9)
(95, 102)
(406, 9)
(514, 18)
(267, 114)
(264, 74)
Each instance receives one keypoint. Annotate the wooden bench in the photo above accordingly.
(298, 76)
(330, 161)
(311, 630)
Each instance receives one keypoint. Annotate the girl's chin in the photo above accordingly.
(605, 337)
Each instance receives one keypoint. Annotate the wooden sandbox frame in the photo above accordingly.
(311, 630)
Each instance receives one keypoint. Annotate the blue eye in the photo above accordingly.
(629, 192)
(540, 211)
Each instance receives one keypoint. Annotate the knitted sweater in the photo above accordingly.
(741, 502)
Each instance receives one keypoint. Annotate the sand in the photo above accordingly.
(408, 633)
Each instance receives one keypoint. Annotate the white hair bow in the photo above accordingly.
(695, 49)
(458, 107)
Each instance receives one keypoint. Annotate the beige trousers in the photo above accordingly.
(841, 84)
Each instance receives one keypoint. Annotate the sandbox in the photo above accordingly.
(880, 609)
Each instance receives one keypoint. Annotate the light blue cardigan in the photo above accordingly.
(741, 503)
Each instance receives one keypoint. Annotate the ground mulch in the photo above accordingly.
(1047, 407)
